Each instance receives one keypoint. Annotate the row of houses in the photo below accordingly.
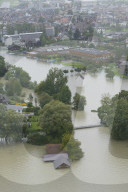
(22, 39)
(88, 53)
(50, 50)
(91, 53)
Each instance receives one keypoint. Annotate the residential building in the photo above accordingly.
(17, 108)
(50, 31)
(91, 53)
(22, 38)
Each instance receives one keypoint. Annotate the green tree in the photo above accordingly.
(120, 124)
(10, 124)
(79, 102)
(13, 87)
(70, 34)
(44, 99)
(106, 112)
(65, 95)
(54, 82)
(2, 88)
(77, 34)
(110, 74)
(3, 68)
(23, 76)
(119, 129)
(126, 70)
(72, 146)
(114, 114)
(43, 38)
(30, 97)
(20, 74)
(55, 119)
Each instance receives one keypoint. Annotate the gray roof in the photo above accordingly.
(25, 36)
(53, 157)
(61, 160)
(92, 51)
(15, 107)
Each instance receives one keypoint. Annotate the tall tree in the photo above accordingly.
(3, 68)
(44, 98)
(79, 102)
(11, 124)
(120, 124)
(65, 95)
(114, 114)
(13, 87)
(54, 82)
(77, 34)
(55, 119)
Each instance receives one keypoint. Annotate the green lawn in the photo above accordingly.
(75, 64)
(34, 125)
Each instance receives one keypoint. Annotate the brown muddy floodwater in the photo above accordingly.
(104, 161)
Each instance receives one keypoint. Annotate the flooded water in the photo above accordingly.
(93, 87)
(102, 162)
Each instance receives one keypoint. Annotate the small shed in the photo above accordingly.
(53, 148)
(61, 162)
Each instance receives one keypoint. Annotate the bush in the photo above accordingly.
(37, 139)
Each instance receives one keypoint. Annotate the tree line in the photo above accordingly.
(113, 113)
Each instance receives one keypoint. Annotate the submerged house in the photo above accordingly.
(79, 81)
(61, 163)
(54, 154)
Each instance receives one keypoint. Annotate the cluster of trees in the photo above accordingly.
(79, 102)
(72, 146)
(16, 79)
(54, 87)
(114, 114)
(18, 73)
(54, 118)
(20, 28)
(55, 124)
(109, 73)
(3, 67)
(90, 65)
(10, 124)
(2, 91)
(88, 34)
(13, 87)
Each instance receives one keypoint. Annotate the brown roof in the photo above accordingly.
(53, 148)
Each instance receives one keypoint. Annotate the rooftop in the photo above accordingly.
(15, 107)
(61, 160)
(53, 157)
(92, 51)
